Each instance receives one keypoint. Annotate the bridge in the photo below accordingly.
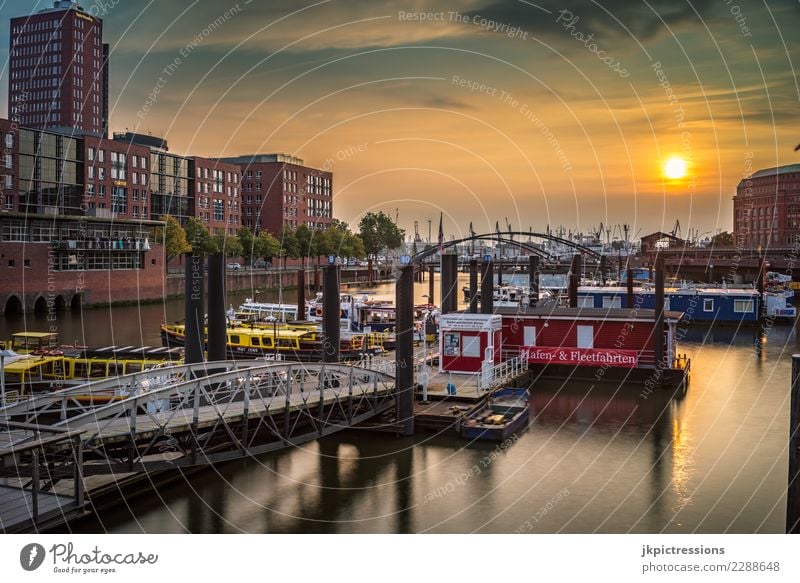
(166, 419)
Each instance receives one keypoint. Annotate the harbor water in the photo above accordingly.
(594, 459)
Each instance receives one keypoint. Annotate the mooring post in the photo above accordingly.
(404, 334)
(431, 286)
(316, 279)
(330, 313)
(533, 280)
(658, 333)
(449, 283)
(473, 286)
(629, 284)
(793, 492)
(603, 270)
(487, 286)
(301, 294)
(194, 314)
(217, 324)
(499, 268)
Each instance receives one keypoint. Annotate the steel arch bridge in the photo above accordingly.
(506, 236)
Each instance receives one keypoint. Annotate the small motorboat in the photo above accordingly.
(505, 413)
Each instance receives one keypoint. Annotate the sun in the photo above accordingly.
(675, 168)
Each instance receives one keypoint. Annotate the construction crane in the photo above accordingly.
(417, 238)
(676, 230)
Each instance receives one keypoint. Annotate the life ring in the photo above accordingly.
(318, 312)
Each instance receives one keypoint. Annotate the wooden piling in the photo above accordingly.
(404, 363)
(487, 287)
(793, 491)
(330, 313)
(194, 312)
(473, 286)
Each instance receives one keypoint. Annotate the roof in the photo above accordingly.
(626, 314)
(264, 159)
(789, 168)
(661, 235)
(34, 335)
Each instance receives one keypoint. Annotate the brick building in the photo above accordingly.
(279, 190)
(766, 208)
(58, 70)
(216, 194)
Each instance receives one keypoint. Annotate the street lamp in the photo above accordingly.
(3, 354)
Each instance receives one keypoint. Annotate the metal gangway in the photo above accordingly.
(185, 416)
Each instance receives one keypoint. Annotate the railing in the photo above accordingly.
(36, 460)
(493, 376)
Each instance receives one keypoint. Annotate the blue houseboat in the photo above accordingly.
(699, 304)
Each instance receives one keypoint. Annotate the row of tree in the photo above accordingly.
(377, 232)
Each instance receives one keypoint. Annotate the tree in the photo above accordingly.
(199, 238)
(379, 231)
(227, 245)
(288, 246)
(173, 236)
(723, 239)
(249, 243)
(304, 237)
(267, 245)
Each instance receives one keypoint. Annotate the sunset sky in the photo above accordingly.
(483, 110)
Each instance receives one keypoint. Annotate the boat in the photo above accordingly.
(503, 296)
(700, 303)
(299, 342)
(49, 369)
(504, 413)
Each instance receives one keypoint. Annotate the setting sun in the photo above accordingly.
(675, 168)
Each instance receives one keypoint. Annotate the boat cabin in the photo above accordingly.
(467, 341)
(24, 342)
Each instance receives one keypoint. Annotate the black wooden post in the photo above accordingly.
(574, 280)
(330, 313)
(404, 334)
(629, 284)
(217, 325)
(793, 492)
(499, 271)
(431, 286)
(449, 283)
(603, 269)
(487, 287)
(473, 286)
(533, 279)
(194, 313)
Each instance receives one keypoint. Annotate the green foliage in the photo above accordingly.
(248, 243)
(723, 239)
(304, 238)
(227, 245)
(379, 231)
(267, 245)
(173, 237)
(199, 238)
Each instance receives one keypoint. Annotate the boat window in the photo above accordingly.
(585, 301)
(80, 370)
(115, 369)
(133, 367)
(529, 336)
(743, 306)
(286, 343)
(267, 342)
(97, 370)
(234, 339)
(708, 305)
(612, 302)
(585, 336)
(255, 340)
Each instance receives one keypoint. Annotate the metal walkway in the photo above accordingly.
(166, 419)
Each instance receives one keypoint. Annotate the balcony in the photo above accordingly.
(102, 244)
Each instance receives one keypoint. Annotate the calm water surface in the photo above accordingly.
(601, 460)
